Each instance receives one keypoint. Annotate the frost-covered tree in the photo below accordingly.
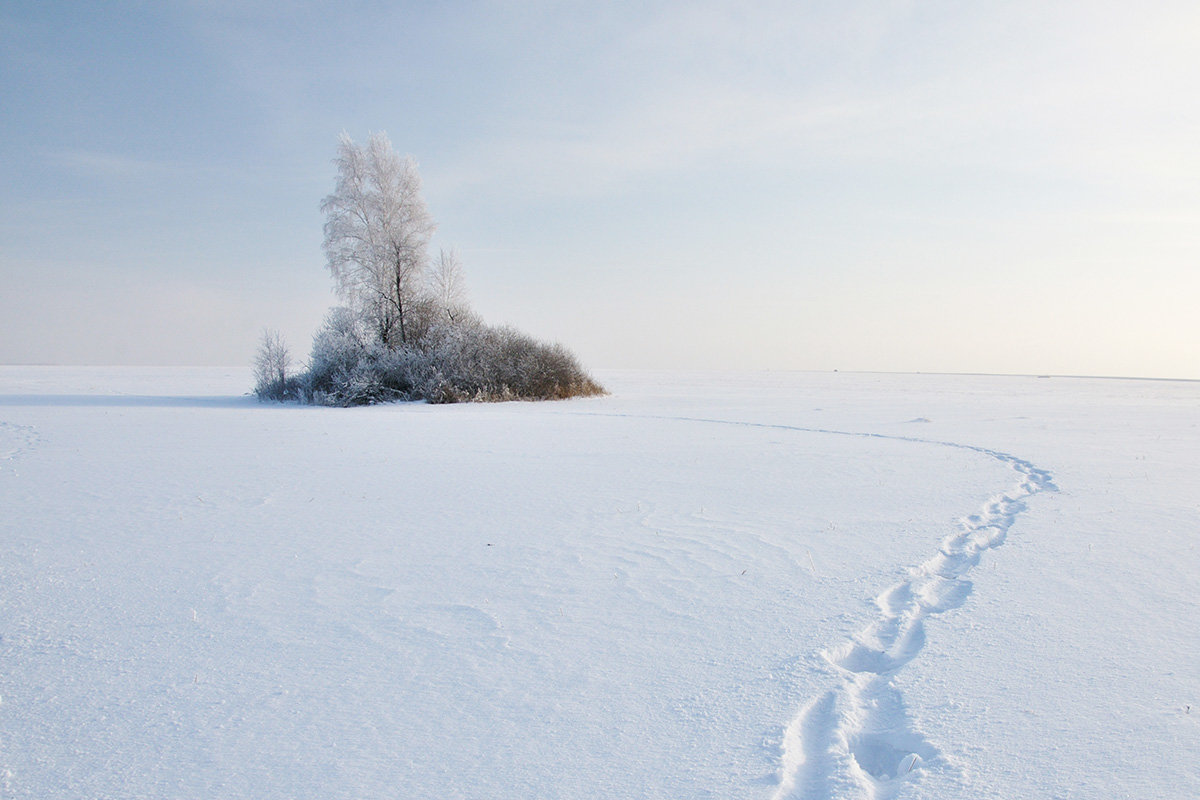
(271, 365)
(448, 287)
(377, 231)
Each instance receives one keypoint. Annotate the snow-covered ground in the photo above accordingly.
(703, 585)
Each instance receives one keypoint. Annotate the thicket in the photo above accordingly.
(405, 330)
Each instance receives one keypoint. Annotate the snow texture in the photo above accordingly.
(779, 586)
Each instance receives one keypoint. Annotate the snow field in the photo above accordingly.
(682, 590)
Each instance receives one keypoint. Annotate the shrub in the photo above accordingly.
(271, 365)
(450, 362)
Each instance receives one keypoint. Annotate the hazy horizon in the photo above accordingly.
(866, 187)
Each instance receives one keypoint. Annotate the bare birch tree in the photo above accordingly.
(377, 230)
(447, 286)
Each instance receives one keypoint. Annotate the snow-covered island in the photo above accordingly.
(405, 330)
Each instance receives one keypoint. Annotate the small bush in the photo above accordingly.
(271, 365)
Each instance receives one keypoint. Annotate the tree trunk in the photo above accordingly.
(400, 305)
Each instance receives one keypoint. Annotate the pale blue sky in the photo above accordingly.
(911, 186)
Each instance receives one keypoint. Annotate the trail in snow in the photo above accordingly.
(856, 739)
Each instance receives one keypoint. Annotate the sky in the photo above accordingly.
(1005, 187)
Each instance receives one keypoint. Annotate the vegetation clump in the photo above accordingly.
(404, 330)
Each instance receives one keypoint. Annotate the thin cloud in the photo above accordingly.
(96, 164)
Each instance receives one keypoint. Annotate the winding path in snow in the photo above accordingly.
(856, 739)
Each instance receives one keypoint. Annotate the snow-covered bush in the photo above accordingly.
(272, 362)
(449, 362)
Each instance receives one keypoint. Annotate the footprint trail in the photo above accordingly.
(857, 739)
